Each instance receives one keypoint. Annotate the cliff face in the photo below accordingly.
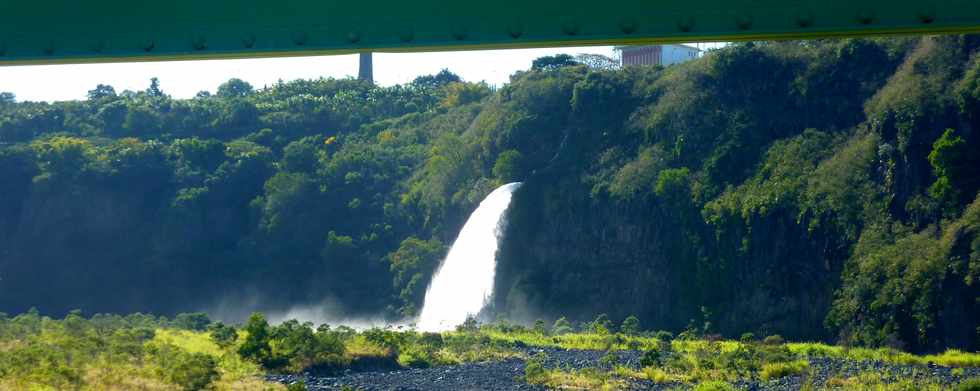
(566, 254)
(783, 189)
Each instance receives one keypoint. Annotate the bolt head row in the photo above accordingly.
(803, 19)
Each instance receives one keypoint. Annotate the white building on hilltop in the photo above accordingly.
(663, 55)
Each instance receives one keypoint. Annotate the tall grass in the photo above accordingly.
(949, 358)
(777, 370)
(584, 379)
(579, 341)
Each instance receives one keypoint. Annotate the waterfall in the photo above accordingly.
(464, 281)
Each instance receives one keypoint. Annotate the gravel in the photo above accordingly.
(496, 375)
(507, 374)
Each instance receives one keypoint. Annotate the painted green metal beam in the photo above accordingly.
(73, 31)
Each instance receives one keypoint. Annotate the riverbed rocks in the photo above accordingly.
(508, 374)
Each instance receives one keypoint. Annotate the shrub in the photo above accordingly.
(460, 93)
(714, 386)
(671, 181)
(712, 337)
(222, 335)
(651, 358)
(509, 166)
(415, 357)
(656, 375)
(773, 340)
(772, 353)
(747, 338)
(297, 386)
(296, 345)
(197, 372)
(690, 334)
(972, 384)
(535, 371)
(777, 370)
(256, 346)
(539, 327)
(433, 340)
(189, 371)
(196, 321)
(630, 326)
(609, 359)
(839, 382)
(561, 326)
(664, 336)
(946, 158)
(601, 324)
(469, 325)
(551, 63)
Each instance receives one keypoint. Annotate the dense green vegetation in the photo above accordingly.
(111, 352)
(190, 352)
(822, 190)
(819, 190)
(292, 194)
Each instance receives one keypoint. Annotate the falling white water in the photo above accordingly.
(464, 282)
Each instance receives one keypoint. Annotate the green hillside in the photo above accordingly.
(822, 190)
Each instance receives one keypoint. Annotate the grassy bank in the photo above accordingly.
(192, 353)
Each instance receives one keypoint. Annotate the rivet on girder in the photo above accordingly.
(516, 30)
(926, 14)
(866, 16)
(743, 22)
(248, 41)
(459, 33)
(299, 38)
(570, 28)
(199, 43)
(804, 19)
(148, 45)
(627, 26)
(685, 24)
(406, 36)
(353, 37)
(48, 49)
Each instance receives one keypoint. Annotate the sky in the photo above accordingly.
(184, 79)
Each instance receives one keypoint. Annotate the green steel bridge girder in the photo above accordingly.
(75, 31)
